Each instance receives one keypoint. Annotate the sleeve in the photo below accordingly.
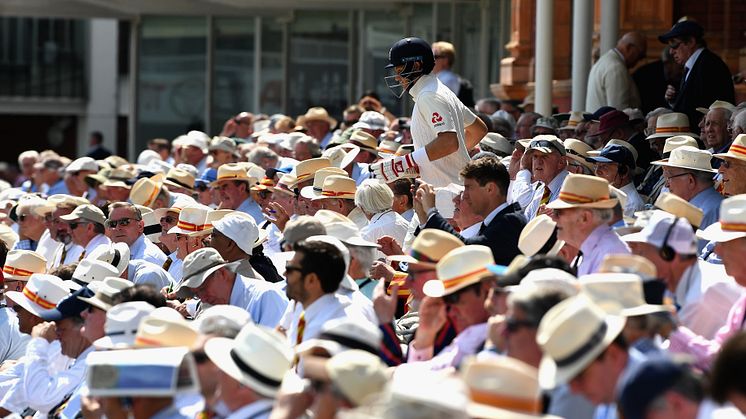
(390, 352)
(419, 355)
(436, 111)
(520, 189)
(616, 86)
(46, 390)
(271, 308)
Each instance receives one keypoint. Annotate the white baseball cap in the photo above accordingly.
(664, 228)
(83, 163)
(242, 230)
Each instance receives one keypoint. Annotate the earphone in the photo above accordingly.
(667, 252)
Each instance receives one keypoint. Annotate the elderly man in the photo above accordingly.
(194, 150)
(86, 224)
(318, 124)
(75, 174)
(125, 225)
(222, 150)
(715, 133)
(234, 185)
(609, 82)
(701, 290)
(51, 174)
(583, 211)
(616, 164)
(67, 251)
(26, 162)
(30, 225)
(215, 282)
(545, 156)
(524, 125)
(733, 167)
(240, 126)
(306, 148)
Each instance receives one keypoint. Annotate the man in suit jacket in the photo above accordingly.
(486, 183)
(706, 77)
(609, 82)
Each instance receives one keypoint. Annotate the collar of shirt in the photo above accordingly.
(619, 54)
(319, 306)
(137, 249)
(491, 216)
(723, 149)
(556, 184)
(348, 283)
(592, 240)
(239, 288)
(421, 84)
(97, 240)
(690, 62)
(381, 216)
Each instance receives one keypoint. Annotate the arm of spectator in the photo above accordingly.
(474, 133)
(389, 246)
(432, 318)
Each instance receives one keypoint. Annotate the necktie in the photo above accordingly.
(577, 261)
(544, 198)
(481, 228)
(301, 328)
(167, 264)
(82, 255)
(683, 79)
(64, 255)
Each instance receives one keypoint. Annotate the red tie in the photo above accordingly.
(544, 198)
(301, 328)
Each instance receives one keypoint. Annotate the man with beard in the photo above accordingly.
(67, 252)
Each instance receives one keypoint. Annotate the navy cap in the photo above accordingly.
(596, 116)
(681, 29)
(614, 153)
(70, 306)
(645, 382)
(271, 172)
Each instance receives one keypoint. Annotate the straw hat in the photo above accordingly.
(221, 314)
(265, 184)
(122, 322)
(670, 124)
(359, 375)
(258, 358)
(737, 149)
(539, 236)
(164, 326)
(429, 247)
(336, 186)
(90, 270)
(193, 222)
(341, 156)
(344, 229)
(732, 224)
(145, 191)
(285, 184)
(502, 388)
(497, 142)
(222, 143)
(687, 157)
(387, 147)
(679, 207)
(8, 236)
(459, 268)
(106, 291)
(116, 254)
(672, 143)
(21, 264)
(308, 168)
(547, 279)
(116, 161)
(364, 141)
(41, 293)
(342, 334)
(180, 179)
(571, 335)
(316, 114)
(310, 192)
(583, 191)
(628, 263)
(231, 171)
(578, 151)
(718, 104)
(619, 294)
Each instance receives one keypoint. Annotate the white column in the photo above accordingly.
(544, 58)
(609, 24)
(582, 33)
(101, 112)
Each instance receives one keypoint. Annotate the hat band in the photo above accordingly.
(505, 402)
(178, 182)
(349, 342)
(246, 368)
(420, 256)
(301, 178)
(362, 145)
(10, 270)
(139, 340)
(666, 130)
(122, 332)
(737, 149)
(116, 258)
(335, 193)
(148, 230)
(582, 351)
(452, 282)
(192, 227)
(549, 244)
(578, 199)
(153, 194)
(233, 176)
(35, 298)
(739, 227)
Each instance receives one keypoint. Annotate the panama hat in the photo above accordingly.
(164, 326)
(88, 271)
(359, 375)
(539, 236)
(231, 171)
(342, 228)
(121, 325)
(679, 207)
(8, 236)
(222, 143)
(199, 265)
(192, 221)
(21, 264)
(459, 268)
(687, 157)
(572, 334)
(336, 186)
(180, 179)
(547, 279)
(146, 190)
(670, 124)
(578, 151)
(285, 184)
(364, 141)
(151, 224)
(41, 293)
(314, 191)
(240, 228)
(307, 168)
(672, 143)
(316, 113)
(387, 148)
(222, 314)
(628, 263)
(583, 191)
(497, 142)
(718, 104)
(341, 156)
(502, 388)
(258, 358)
(106, 291)
(429, 247)
(265, 184)
(619, 294)
(737, 149)
(732, 224)
(116, 254)
(343, 334)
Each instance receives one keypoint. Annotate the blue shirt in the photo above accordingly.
(265, 303)
(709, 202)
(144, 249)
(143, 272)
(249, 206)
(58, 188)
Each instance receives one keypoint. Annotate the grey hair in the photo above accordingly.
(27, 155)
(603, 214)
(365, 255)
(740, 120)
(535, 302)
(313, 147)
(373, 197)
(259, 153)
(657, 112)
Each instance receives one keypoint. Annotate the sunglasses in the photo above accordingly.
(674, 45)
(200, 188)
(512, 324)
(73, 226)
(168, 219)
(200, 357)
(291, 268)
(124, 222)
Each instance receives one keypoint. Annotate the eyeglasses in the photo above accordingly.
(22, 217)
(124, 222)
(73, 226)
(674, 45)
(680, 174)
(200, 357)
(168, 219)
(512, 324)
(291, 268)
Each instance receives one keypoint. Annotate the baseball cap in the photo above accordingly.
(614, 153)
(546, 144)
(69, 306)
(371, 120)
(596, 116)
(662, 228)
(87, 212)
(680, 29)
(83, 163)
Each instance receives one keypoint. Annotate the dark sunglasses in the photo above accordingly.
(454, 298)
(124, 222)
(291, 268)
(674, 45)
(200, 357)
(168, 219)
(200, 188)
(512, 324)
(73, 226)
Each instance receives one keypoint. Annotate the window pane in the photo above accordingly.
(233, 73)
(270, 92)
(171, 84)
(318, 62)
(382, 29)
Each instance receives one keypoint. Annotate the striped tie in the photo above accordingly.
(167, 264)
(544, 198)
(64, 255)
(82, 255)
(301, 328)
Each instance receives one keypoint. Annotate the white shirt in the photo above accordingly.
(261, 299)
(46, 246)
(437, 109)
(387, 223)
(691, 61)
(349, 289)
(471, 231)
(144, 249)
(327, 307)
(260, 409)
(358, 217)
(98, 240)
(705, 294)
(73, 254)
(520, 189)
(634, 201)
(142, 272)
(176, 268)
(12, 341)
(538, 192)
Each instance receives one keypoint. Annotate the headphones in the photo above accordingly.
(667, 252)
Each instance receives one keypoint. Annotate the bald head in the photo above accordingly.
(633, 46)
